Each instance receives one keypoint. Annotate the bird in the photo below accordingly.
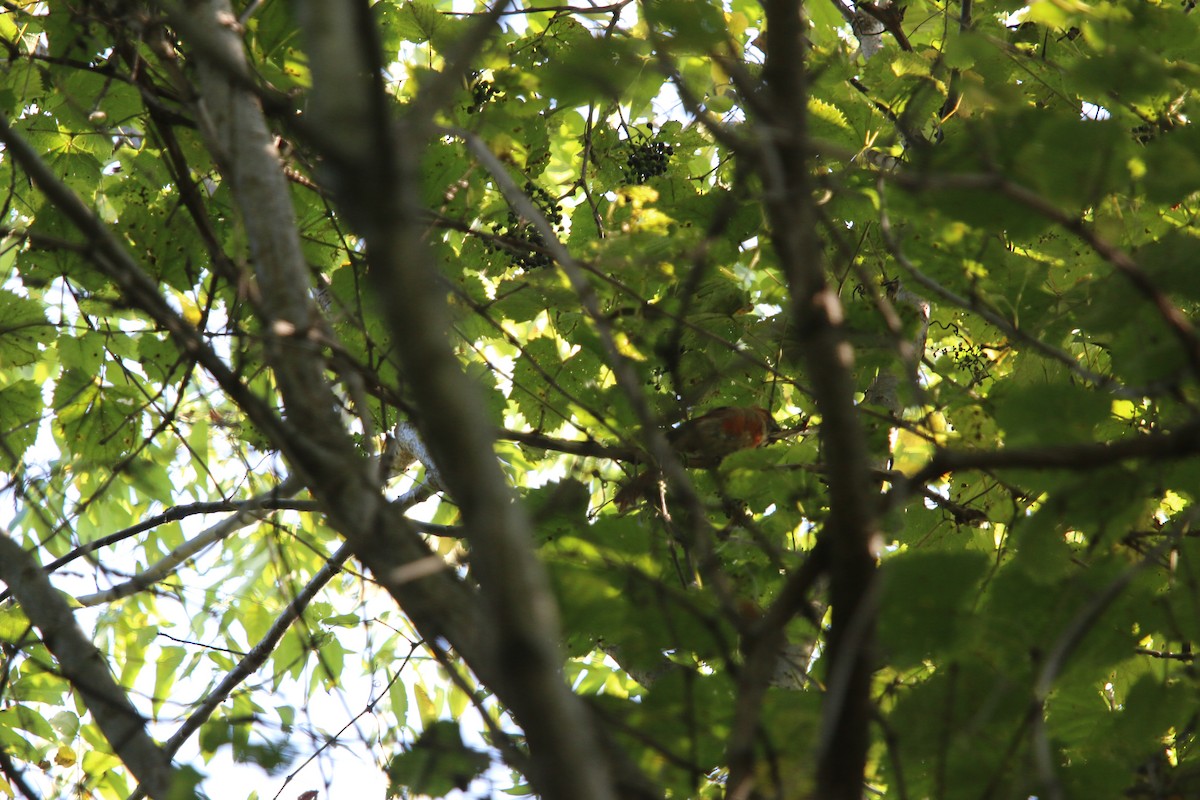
(704, 442)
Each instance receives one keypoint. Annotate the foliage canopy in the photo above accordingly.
(329, 330)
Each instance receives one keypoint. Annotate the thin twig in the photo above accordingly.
(258, 655)
(251, 512)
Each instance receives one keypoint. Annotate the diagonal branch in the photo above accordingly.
(16, 776)
(250, 513)
(84, 667)
(337, 472)
(261, 651)
(373, 175)
(1009, 329)
(254, 659)
(174, 514)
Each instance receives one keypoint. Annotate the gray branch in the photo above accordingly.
(166, 566)
(373, 176)
(83, 666)
(511, 640)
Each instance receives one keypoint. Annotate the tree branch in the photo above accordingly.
(254, 659)
(976, 306)
(698, 531)
(373, 174)
(83, 666)
(16, 777)
(261, 651)
(251, 512)
(588, 448)
(1183, 442)
(851, 527)
(337, 472)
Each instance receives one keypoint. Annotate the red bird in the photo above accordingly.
(704, 442)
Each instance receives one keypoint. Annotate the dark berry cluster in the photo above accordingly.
(482, 91)
(968, 357)
(522, 242)
(646, 160)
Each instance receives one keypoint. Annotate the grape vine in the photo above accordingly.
(519, 239)
(647, 158)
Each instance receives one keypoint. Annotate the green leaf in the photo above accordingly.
(20, 413)
(1171, 262)
(97, 423)
(1172, 165)
(25, 718)
(398, 699)
(413, 21)
(165, 674)
(436, 763)
(1042, 412)
(595, 69)
(13, 624)
(84, 353)
(927, 597)
(24, 330)
(695, 26)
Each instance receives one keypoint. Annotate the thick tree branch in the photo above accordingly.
(1183, 442)
(338, 474)
(850, 528)
(83, 666)
(374, 180)
(336, 471)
